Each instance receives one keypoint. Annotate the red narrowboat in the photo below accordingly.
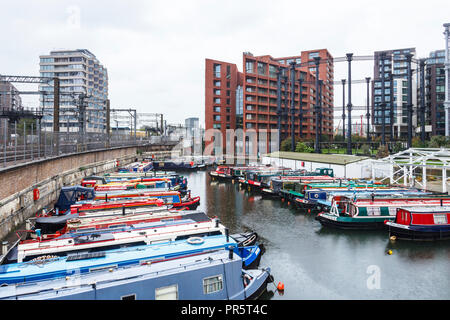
(421, 223)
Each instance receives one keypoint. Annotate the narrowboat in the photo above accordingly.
(127, 185)
(369, 214)
(207, 275)
(94, 234)
(298, 189)
(259, 179)
(222, 173)
(317, 200)
(107, 204)
(175, 165)
(421, 223)
(286, 182)
(178, 182)
(53, 266)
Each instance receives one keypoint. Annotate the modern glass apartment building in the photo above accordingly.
(80, 73)
(390, 94)
(435, 92)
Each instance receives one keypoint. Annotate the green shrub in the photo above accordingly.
(302, 147)
(382, 152)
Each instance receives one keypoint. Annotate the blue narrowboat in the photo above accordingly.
(212, 275)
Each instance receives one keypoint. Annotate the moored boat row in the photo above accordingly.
(407, 213)
(116, 233)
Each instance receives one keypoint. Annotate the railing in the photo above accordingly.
(18, 148)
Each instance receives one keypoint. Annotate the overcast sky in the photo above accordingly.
(155, 50)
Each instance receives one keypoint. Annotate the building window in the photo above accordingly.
(228, 110)
(312, 55)
(216, 126)
(217, 109)
(167, 293)
(216, 118)
(216, 100)
(250, 66)
(262, 68)
(272, 71)
(128, 297)
(212, 284)
(228, 93)
(217, 70)
(217, 92)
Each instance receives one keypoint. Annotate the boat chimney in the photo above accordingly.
(123, 210)
(230, 252)
(106, 197)
(227, 234)
(442, 202)
(28, 224)
(217, 222)
(373, 196)
(4, 247)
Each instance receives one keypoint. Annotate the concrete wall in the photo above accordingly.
(48, 176)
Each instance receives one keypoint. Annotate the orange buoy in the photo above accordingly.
(282, 199)
(280, 286)
(289, 203)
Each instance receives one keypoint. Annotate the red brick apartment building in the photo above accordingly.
(248, 99)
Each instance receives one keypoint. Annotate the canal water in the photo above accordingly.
(315, 262)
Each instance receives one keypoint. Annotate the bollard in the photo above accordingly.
(227, 234)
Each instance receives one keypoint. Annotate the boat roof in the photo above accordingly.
(106, 277)
(400, 202)
(427, 209)
(58, 267)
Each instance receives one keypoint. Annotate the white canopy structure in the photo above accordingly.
(403, 165)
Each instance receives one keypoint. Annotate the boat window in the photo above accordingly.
(117, 226)
(86, 230)
(440, 218)
(392, 211)
(96, 269)
(212, 284)
(373, 211)
(128, 297)
(167, 293)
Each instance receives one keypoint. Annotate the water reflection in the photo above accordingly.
(315, 262)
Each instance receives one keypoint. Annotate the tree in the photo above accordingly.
(302, 147)
(417, 143)
(438, 141)
(365, 149)
(286, 144)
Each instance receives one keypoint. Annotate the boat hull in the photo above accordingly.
(349, 223)
(415, 233)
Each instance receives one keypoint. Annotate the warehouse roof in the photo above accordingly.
(341, 159)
